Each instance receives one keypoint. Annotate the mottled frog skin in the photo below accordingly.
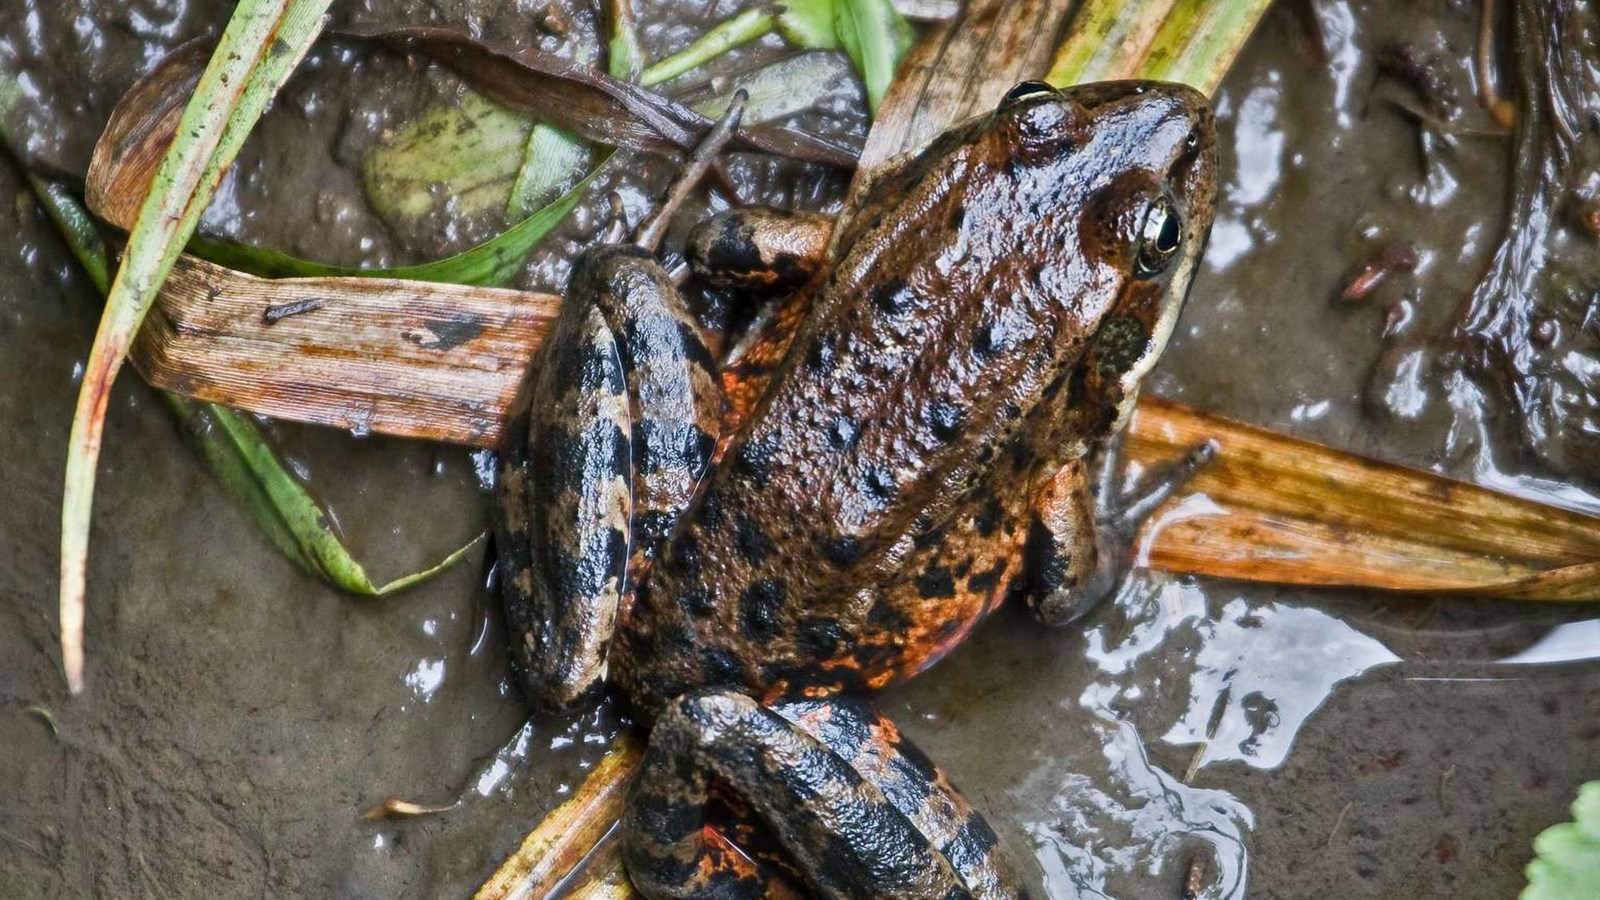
(745, 547)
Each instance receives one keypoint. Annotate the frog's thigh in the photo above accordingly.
(564, 514)
(760, 247)
(848, 836)
(1064, 577)
(675, 398)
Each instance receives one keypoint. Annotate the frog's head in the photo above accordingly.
(1143, 156)
(1115, 184)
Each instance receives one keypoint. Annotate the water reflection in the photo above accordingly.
(1132, 818)
(1572, 642)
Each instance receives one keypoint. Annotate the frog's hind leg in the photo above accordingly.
(564, 516)
(1084, 525)
(675, 401)
(856, 810)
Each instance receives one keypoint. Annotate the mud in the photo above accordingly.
(1300, 743)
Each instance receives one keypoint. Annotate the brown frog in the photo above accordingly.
(744, 548)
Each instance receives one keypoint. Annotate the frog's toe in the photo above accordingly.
(1157, 487)
(802, 771)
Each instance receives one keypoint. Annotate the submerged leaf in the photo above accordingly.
(467, 152)
(1567, 861)
(261, 46)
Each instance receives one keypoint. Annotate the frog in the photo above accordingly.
(918, 424)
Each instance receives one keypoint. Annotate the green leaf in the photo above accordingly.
(261, 46)
(624, 51)
(551, 158)
(809, 24)
(876, 37)
(1566, 864)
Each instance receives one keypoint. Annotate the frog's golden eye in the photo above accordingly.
(1159, 238)
(1028, 90)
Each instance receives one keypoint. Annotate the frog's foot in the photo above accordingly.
(1123, 512)
(701, 161)
(1082, 539)
(854, 809)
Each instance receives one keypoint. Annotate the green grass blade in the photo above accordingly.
(743, 28)
(255, 476)
(261, 46)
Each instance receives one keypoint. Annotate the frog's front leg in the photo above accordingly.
(760, 247)
(855, 809)
(1080, 541)
(623, 417)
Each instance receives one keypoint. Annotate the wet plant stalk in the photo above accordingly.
(263, 42)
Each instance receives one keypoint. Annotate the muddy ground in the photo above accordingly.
(239, 714)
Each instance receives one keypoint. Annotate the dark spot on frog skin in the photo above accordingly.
(988, 517)
(694, 346)
(721, 666)
(985, 581)
(879, 483)
(686, 555)
(842, 433)
(820, 638)
(823, 355)
(759, 607)
(932, 537)
(958, 217)
(753, 543)
(844, 551)
(653, 525)
(696, 602)
(936, 581)
(1047, 562)
(885, 616)
(711, 512)
(893, 297)
(992, 337)
(755, 460)
(945, 420)
(731, 249)
(973, 843)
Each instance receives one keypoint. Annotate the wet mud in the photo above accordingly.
(1296, 743)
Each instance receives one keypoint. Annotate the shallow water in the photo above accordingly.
(1303, 743)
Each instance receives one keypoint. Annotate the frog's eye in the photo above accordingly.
(1159, 238)
(1028, 90)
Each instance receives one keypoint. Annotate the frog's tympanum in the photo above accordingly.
(746, 547)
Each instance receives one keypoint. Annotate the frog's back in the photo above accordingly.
(874, 506)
